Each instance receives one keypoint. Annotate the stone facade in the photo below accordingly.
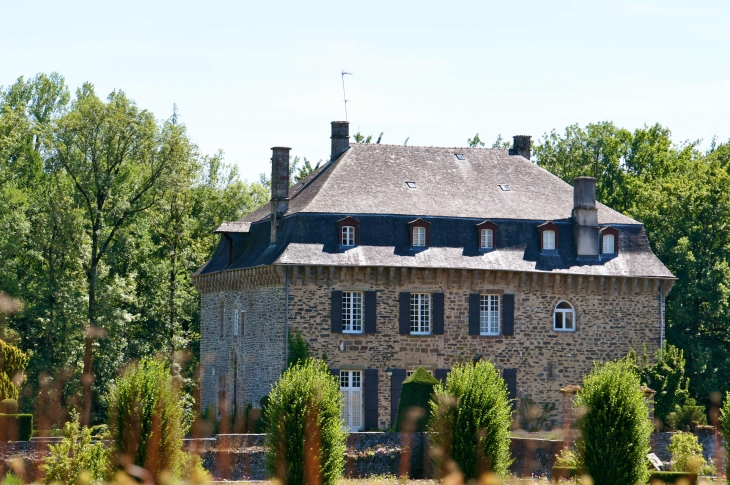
(613, 316)
(245, 365)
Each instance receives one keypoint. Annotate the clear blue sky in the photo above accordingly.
(247, 76)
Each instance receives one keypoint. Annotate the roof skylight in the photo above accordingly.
(411, 185)
(460, 156)
(504, 187)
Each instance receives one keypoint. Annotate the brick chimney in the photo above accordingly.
(279, 187)
(521, 146)
(340, 139)
(585, 216)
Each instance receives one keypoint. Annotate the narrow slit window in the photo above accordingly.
(236, 320)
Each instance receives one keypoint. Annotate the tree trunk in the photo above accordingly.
(88, 377)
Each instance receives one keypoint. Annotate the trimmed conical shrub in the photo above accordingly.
(414, 401)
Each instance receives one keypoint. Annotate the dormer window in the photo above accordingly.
(549, 239)
(348, 232)
(420, 234)
(487, 235)
(348, 236)
(609, 241)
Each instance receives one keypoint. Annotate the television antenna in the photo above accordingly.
(344, 96)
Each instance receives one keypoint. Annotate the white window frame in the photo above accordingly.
(608, 237)
(352, 399)
(487, 239)
(352, 312)
(420, 314)
(548, 240)
(419, 237)
(236, 320)
(562, 314)
(347, 237)
(489, 314)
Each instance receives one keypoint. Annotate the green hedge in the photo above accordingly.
(564, 472)
(672, 477)
(16, 427)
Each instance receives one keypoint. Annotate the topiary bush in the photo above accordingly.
(16, 427)
(13, 362)
(75, 459)
(305, 436)
(415, 398)
(686, 415)
(9, 406)
(147, 418)
(615, 428)
(471, 417)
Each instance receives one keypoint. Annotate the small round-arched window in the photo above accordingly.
(564, 317)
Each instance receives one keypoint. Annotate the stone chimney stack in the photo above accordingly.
(340, 139)
(279, 187)
(521, 146)
(585, 216)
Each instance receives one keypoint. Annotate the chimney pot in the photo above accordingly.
(340, 139)
(584, 193)
(521, 146)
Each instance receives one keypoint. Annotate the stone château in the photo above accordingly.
(388, 258)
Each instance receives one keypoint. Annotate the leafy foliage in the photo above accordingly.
(13, 362)
(687, 455)
(615, 429)
(471, 417)
(147, 418)
(305, 437)
(534, 416)
(687, 415)
(75, 457)
(298, 349)
(666, 377)
(414, 407)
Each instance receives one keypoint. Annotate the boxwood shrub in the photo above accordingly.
(615, 428)
(471, 417)
(16, 427)
(305, 436)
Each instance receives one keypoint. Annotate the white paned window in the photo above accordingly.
(564, 317)
(352, 312)
(348, 235)
(419, 236)
(351, 389)
(236, 320)
(489, 315)
(609, 246)
(420, 313)
(548, 240)
(487, 239)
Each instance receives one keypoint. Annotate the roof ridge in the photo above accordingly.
(423, 146)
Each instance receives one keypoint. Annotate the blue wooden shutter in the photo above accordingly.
(510, 378)
(404, 317)
(438, 313)
(336, 311)
(508, 314)
(474, 313)
(396, 386)
(440, 374)
(370, 314)
(371, 399)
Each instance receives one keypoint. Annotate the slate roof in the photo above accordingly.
(371, 179)
(368, 183)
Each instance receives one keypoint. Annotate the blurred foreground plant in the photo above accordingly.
(305, 438)
(471, 417)
(147, 419)
(75, 459)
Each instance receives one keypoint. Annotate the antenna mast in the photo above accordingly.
(344, 96)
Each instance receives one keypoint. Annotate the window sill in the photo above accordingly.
(350, 332)
(563, 330)
(421, 335)
(490, 336)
